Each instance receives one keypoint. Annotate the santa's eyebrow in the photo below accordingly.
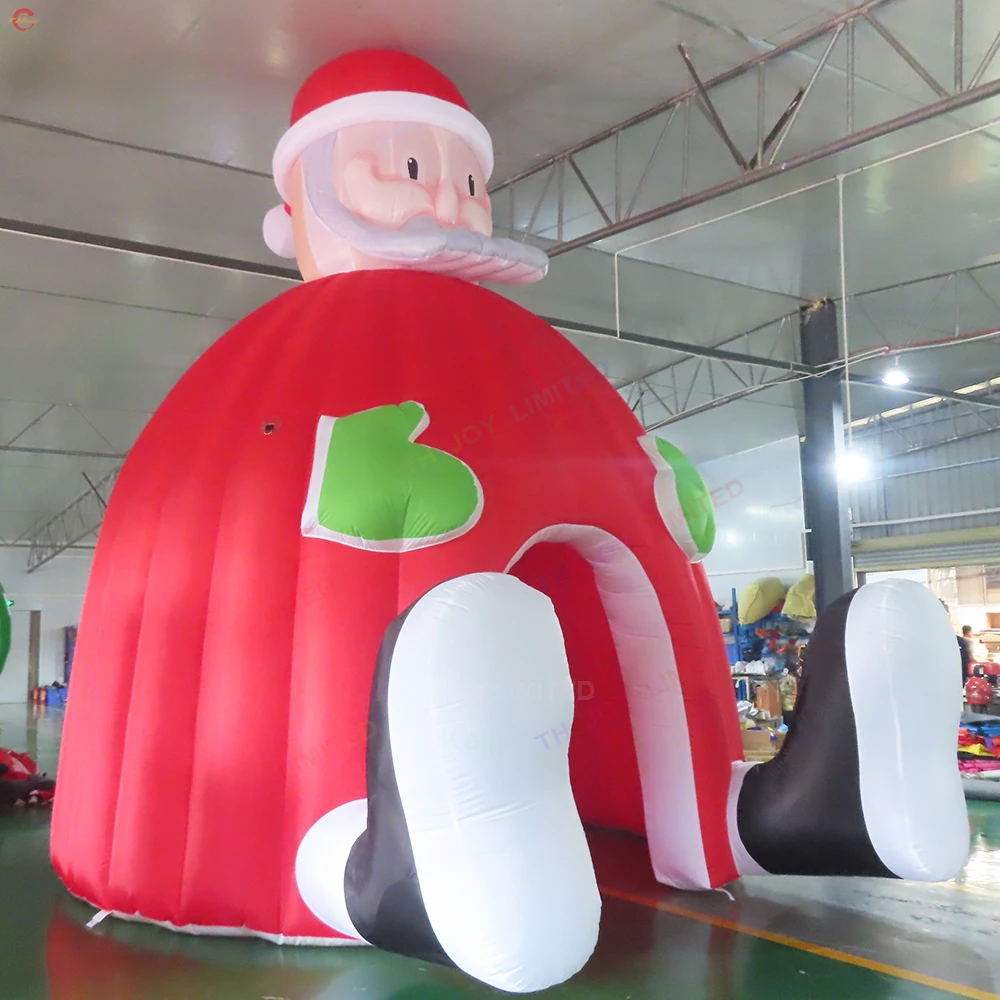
(396, 178)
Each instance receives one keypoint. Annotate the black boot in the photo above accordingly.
(469, 850)
(867, 781)
(381, 887)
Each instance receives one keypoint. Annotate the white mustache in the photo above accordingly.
(422, 243)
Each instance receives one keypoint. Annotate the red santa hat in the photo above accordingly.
(370, 85)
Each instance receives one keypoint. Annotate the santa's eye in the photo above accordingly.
(472, 186)
(412, 168)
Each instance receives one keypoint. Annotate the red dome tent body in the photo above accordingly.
(226, 660)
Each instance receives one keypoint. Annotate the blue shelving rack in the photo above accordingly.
(734, 646)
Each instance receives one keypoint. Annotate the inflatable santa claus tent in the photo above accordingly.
(394, 595)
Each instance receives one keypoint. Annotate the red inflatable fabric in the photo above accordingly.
(20, 767)
(222, 675)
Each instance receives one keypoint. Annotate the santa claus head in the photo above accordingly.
(385, 166)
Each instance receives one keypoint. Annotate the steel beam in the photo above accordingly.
(928, 517)
(692, 350)
(27, 545)
(120, 144)
(712, 404)
(798, 42)
(942, 468)
(713, 115)
(928, 428)
(879, 40)
(779, 322)
(61, 451)
(24, 430)
(791, 371)
(749, 389)
(820, 66)
(959, 45)
(907, 56)
(94, 489)
(78, 238)
(779, 126)
(825, 498)
(749, 178)
(756, 172)
(927, 393)
(589, 190)
(642, 179)
(987, 59)
(72, 524)
(928, 539)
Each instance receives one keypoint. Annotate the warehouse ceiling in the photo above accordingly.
(156, 126)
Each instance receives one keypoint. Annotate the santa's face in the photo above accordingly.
(389, 195)
(392, 173)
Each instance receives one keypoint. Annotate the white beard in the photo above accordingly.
(422, 244)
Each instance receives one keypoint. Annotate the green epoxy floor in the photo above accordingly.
(673, 945)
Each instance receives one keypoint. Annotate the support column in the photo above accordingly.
(34, 649)
(826, 508)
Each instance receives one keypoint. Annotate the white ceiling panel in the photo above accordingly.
(95, 335)
(217, 82)
(116, 387)
(34, 487)
(925, 214)
(655, 302)
(768, 416)
(102, 336)
(63, 427)
(56, 269)
(56, 180)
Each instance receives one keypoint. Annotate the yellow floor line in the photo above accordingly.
(973, 890)
(813, 949)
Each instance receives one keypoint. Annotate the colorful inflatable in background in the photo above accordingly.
(5, 606)
(20, 782)
(394, 595)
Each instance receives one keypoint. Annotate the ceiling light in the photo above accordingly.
(895, 375)
(852, 466)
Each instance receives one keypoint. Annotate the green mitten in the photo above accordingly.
(378, 489)
(682, 498)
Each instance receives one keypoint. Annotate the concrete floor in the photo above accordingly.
(767, 938)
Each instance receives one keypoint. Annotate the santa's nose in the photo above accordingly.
(446, 203)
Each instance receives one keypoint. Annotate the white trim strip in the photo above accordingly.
(655, 700)
(197, 930)
(745, 864)
(668, 501)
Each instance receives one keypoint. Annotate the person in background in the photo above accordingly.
(788, 686)
(965, 647)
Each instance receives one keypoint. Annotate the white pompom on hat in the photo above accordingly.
(362, 87)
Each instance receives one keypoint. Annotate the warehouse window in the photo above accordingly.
(992, 581)
(971, 585)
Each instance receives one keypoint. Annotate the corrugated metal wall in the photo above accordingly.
(949, 478)
(932, 471)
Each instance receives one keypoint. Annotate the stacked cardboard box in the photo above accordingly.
(761, 744)
(768, 698)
